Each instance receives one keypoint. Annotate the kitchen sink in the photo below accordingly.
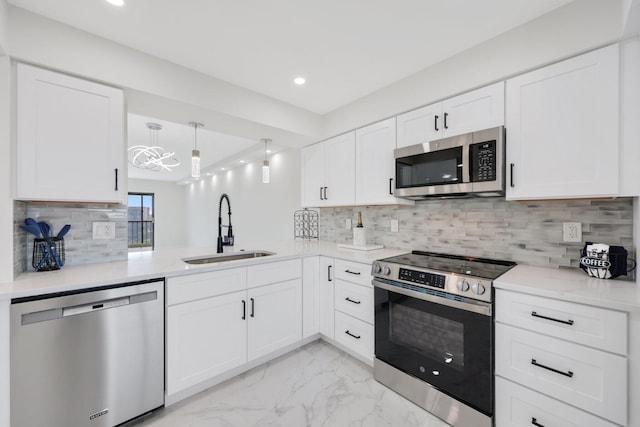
(209, 259)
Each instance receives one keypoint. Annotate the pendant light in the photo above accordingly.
(265, 164)
(152, 157)
(195, 153)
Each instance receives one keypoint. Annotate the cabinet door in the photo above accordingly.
(562, 129)
(472, 111)
(310, 297)
(312, 175)
(418, 126)
(70, 138)
(340, 170)
(375, 166)
(275, 317)
(589, 379)
(205, 338)
(325, 296)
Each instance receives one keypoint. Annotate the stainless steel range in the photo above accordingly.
(434, 332)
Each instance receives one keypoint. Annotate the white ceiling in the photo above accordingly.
(345, 48)
(217, 150)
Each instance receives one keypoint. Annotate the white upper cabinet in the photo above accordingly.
(70, 139)
(375, 166)
(328, 172)
(629, 117)
(476, 110)
(562, 129)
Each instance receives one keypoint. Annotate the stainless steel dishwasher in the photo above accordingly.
(92, 358)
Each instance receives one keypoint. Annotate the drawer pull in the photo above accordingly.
(536, 423)
(566, 374)
(353, 301)
(357, 273)
(351, 335)
(566, 322)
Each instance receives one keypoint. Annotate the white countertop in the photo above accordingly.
(168, 263)
(572, 285)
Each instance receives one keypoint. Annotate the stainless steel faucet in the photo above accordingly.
(228, 239)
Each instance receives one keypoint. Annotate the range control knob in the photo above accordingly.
(386, 271)
(478, 288)
(463, 285)
(376, 268)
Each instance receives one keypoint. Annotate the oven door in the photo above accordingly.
(447, 343)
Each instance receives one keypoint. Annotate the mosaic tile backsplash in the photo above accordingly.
(526, 232)
(80, 248)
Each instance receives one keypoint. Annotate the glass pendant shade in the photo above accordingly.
(195, 153)
(195, 163)
(266, 178)
(265, 172)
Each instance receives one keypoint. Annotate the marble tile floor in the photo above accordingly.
(316, 386)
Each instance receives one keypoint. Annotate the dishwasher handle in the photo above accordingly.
(98, 305)
(95, 306)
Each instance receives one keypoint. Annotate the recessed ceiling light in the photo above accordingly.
(268, 151)
(299, 81)
(224, 169)
(243, 161)
(116, 2)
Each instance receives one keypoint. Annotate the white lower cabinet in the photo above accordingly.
(221, 320)
(355, 335)
(556, 363)
(353, 302)
(195, 332)
(275, 317)
(518, 406)
(326, 297)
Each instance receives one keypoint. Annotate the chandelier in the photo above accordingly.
(152, 157)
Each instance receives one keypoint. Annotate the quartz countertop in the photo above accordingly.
(572, 285)
(168, 263)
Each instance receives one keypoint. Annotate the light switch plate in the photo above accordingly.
(394, 225)
(104, 230)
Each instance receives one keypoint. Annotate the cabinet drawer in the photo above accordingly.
(581, 376)
(353, 272)
(355, 335)
(204, 285)
(596, 327)
(517, 406)
(273, 272)
(354, 300)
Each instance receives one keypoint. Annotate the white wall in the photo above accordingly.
(259, 211)
(170, 212)
(3, 27)
(579, 26)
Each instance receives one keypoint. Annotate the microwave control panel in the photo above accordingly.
(483, 161)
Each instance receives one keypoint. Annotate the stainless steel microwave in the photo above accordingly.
(469, 165)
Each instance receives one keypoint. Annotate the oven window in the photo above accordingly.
(433, 336)
(434, 168)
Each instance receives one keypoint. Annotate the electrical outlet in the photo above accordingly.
(347, 224)
(104, 230)
(572, 232)
(394, 225)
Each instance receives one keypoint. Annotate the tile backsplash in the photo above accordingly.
(80, 248)
(525, 232)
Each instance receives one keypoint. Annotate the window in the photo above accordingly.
(140, 217)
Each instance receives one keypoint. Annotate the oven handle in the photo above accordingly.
(479, 307)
